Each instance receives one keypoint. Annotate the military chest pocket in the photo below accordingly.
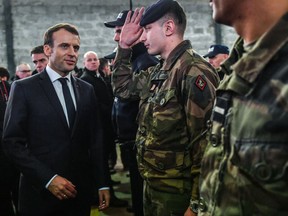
(168, 114)
(162, 98)
(163, 161)
(265, 162)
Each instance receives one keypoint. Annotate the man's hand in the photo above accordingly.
(104, 199)
(62, 188)
(131, 30)
(189, 212)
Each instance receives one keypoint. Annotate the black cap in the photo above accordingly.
(215, 50)
(120, 20)
(156, 11)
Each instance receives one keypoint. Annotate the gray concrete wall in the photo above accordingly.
(31, 18)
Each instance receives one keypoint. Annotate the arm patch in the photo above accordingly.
(200, 83)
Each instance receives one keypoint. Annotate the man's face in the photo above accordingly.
(227, 11)
(23, 71)
(117, 32)
(215, 61)
(91, 62)
(40, 61)
(63, 56)
(106, 69)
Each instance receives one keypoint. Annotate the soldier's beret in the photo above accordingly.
(156, 11)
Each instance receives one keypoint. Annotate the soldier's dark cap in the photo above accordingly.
(156, 11)
(215, 50)
(120, 19)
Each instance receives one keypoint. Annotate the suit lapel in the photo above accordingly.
(50, 92)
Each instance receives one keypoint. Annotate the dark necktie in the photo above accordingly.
(68, 101)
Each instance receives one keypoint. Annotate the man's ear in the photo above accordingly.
(169, 27)
(47, 50)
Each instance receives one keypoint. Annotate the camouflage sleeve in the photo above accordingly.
(199, 95)
(125, 83)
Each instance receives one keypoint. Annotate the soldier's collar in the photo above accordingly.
(175, 54)
(253, 62)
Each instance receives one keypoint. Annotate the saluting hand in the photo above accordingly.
(131, 30)
(62, 188)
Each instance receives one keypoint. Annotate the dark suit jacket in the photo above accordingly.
(105, 98)
(102, 92)
(37, 138)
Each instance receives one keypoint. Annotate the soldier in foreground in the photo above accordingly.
(244, 168)
(176, 99)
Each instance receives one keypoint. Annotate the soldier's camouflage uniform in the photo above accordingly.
(245, 164)
(176, 100)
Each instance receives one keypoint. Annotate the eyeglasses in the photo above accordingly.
(25, 71)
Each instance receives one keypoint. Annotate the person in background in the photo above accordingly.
(105, 72)
(105, 69)
(244, 168)
(53, 134)
(39, 59)
(124, 116)
(23, 70)
(4, 74)
(105, 100)
(9, 178)
(77, 72)
(177, 96)
(216, 55)
(111, 57)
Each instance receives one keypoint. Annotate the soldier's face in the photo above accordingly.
(228, 12)
(117, 33)
(153, 38)
(215, 61)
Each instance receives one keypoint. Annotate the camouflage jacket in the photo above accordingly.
(176, 100)
(245, 164)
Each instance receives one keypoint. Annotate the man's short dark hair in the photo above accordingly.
(103, 63)
(48, 36)
(178, 15)
(37, 50)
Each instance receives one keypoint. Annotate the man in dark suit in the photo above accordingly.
(58, 152)
(104, 94)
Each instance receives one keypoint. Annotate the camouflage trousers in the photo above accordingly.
(159, 203)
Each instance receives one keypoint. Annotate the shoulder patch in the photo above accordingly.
(200, 83)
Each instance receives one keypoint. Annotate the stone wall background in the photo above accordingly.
(32, 17)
